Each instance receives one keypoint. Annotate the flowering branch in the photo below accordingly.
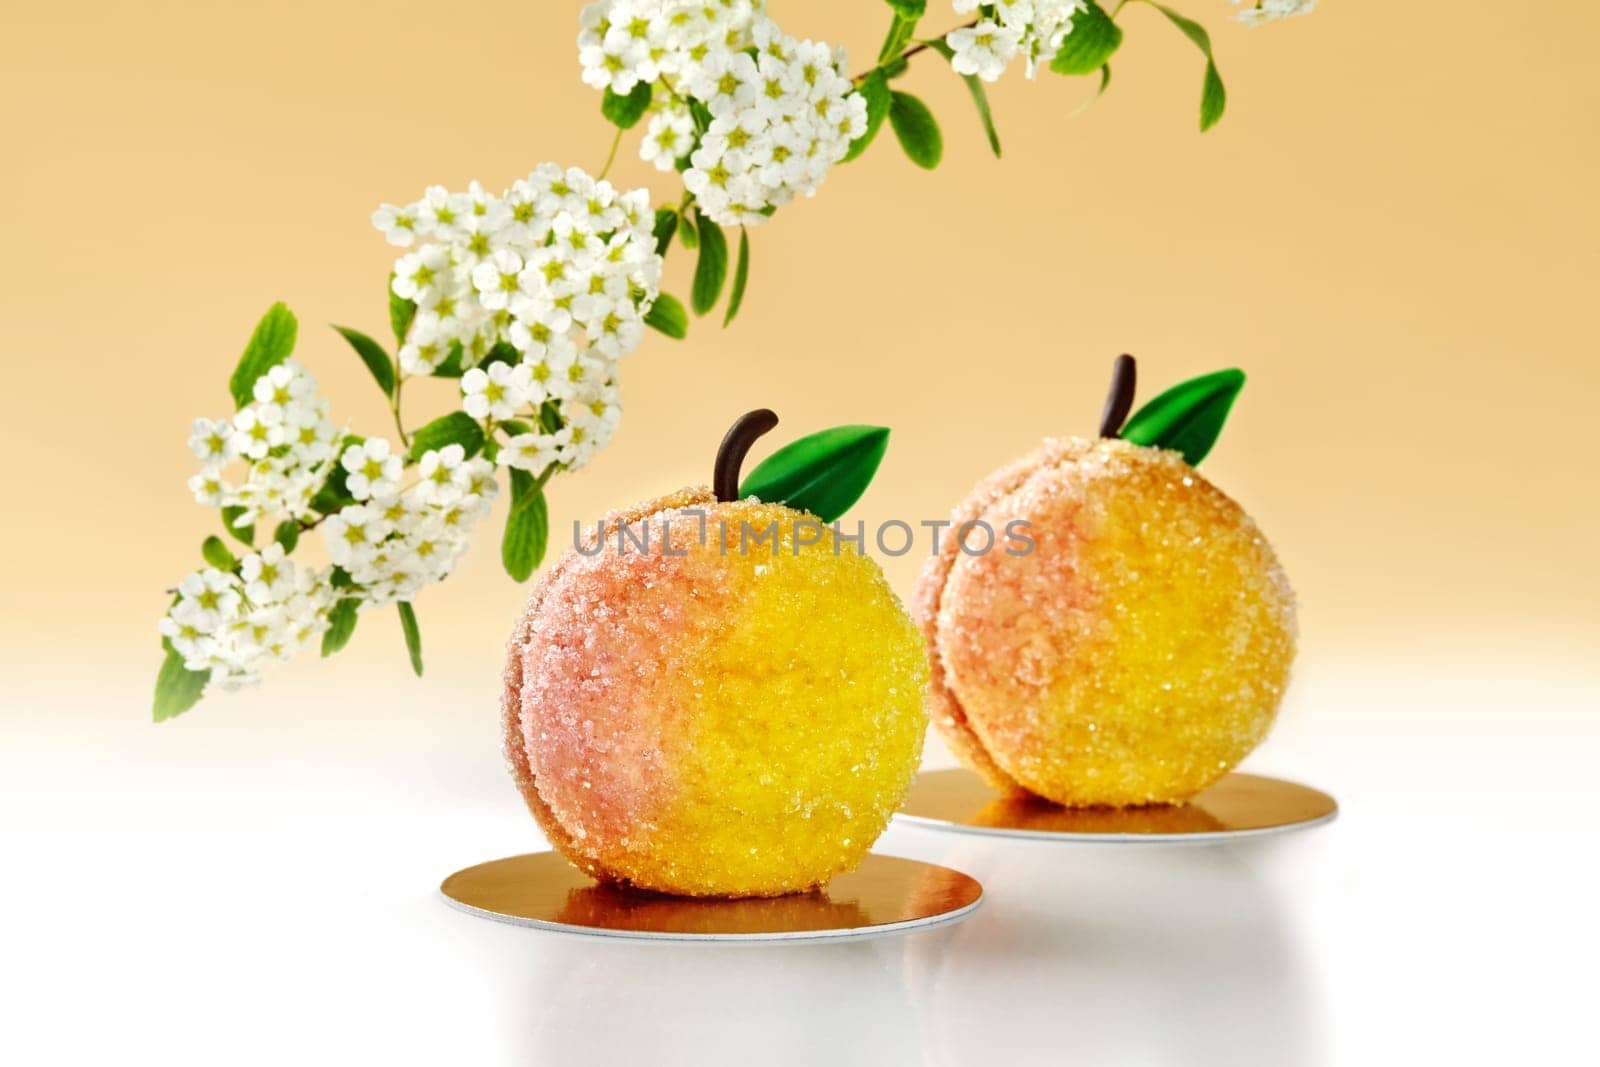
(530, 299)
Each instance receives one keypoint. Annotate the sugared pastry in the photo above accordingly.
(694, 708)
(1140, 649)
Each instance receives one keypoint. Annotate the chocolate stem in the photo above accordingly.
(735, 444)
(1119, 401)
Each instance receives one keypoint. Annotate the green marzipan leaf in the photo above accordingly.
(527, 527)
(1213, 97)
(341, 624)
(1188, 417)
(216, 553)
(401, 312)
(624, 112)
(1086, 49)
(287, 534)
(666, 225)
(980, 99)
(245, 535)
(824, 473)
(408, 623)
(741, 277)
(269, 346)
(373, 355)
(875, 89)
(177, 687)
(669, 316)
(914, 125)
(909, 9)
(711, 271)
(456, 428)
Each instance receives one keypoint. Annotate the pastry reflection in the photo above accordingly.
(585, 1000)
(1111, 955)
(615, 908)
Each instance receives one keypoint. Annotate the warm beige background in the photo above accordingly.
(1394, 231)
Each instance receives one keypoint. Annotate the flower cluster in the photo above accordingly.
(624, 42)
(231, 622)
(394, 542)
(284, 437)
(561, 271)
(779, 120)
(1261, 11)
(1033, 29)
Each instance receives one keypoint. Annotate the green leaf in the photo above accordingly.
(1213, 96)
(875, 88)
(741, 277)
(824, 473)
(216, 553)
(269, 346)
(527, 527)
(668, 315)
(501, 352)
(373, 355)
(177, 687)
(711, 271)
(900, 33)
(624, 112)
(666, 225)
(341, 624)
(980, 98)
(408, 623)
(914, 125)
(909, 9)
(1093, 39)
(452, 367)
(245, 534)
(1188, 417)
(287, 534)
(401, 312)
(686, 233)
(456, 428)
(333, 495)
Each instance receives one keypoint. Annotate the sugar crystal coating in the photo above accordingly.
(1134, 656)
(693, 711)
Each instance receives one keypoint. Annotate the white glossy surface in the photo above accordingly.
(259, 885)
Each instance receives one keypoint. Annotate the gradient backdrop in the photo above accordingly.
(1393, 230)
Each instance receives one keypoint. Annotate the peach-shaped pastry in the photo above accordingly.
(711, 695)
(1140, 649)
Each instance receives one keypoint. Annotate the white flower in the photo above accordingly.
(496, 393)
(353, 534)
(255, 433)
(438, 469)
(398, 224)
(497, 279)
(370, 469)
(1261, 11)
(212, 441)
(1039, 25)
(209, 489)
(267, 575)
(422, 275)
(440, 213)
(984, 49)
(667, 138)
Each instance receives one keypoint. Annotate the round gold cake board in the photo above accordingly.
(885, 895)
(1239, 806)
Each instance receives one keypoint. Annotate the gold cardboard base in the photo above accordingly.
(885, 895)
(1241, 805)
